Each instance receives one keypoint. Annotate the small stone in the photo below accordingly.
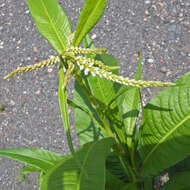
(150, 60)
(146, 12)
(50, 70)
(35, 49)
(147, 2)
(93, 36)
(163, 69)
(12, 103)
(37, 92)
(27, 12)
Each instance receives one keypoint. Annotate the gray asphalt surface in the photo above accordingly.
(159, 28)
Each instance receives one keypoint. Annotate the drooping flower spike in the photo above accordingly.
(51, 61)
(89, 66)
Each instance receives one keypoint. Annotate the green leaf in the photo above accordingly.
(103, 89)
(38, 158)
(166, 134)
(91, 13)
(62, 96)
(178, 182)
(148, 183)
(87, 173)
(130, 186)
(113, 183)
(114, 167)
(51, 22)
(86, 128)
(128, 103)
(180, 167)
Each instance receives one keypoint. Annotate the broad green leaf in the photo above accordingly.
(148, 183)
(178, 182)
(87, 173)
(113, 183)
(51, 22)
(101, 88)
(166, 121)
(62, 96)
(114, 167)
(128, 104)
(87, 130)
(38, 158)
(104, 91)
(180, 167)
(91, 13)
(130, 186)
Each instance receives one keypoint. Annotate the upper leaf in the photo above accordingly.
(166, 122)
(87, 130)
(91, 13)
(128, 103)
(39, 158)
(51, 22)
(84, 171)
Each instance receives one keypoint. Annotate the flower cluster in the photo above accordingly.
(52, 60)
(98, 68)
(89, 65)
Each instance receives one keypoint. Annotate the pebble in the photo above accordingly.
(50, 70)
(93, 36)
(35, 49)
(163, 69)
(1, 44)
(12, 103)
(150, 60)
(27, 12)
(147, 2)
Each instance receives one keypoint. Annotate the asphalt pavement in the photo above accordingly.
(160, 29)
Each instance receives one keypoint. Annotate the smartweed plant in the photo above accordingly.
(116, 152)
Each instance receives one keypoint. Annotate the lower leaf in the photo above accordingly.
(85, 171)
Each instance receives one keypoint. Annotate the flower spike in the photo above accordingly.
(51, 61)
(102, 73)
(89, 66)
(79, 50)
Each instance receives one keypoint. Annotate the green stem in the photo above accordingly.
(62, 95)
(94, 104)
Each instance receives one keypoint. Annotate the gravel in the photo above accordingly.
(31, 118)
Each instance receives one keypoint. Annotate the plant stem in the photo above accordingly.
(94, 105)
(62, 95)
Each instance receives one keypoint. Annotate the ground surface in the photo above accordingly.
(160, 29)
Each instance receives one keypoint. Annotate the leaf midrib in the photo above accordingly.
(83, 165)
(54, 28)
(89, 18)
(165, 137)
